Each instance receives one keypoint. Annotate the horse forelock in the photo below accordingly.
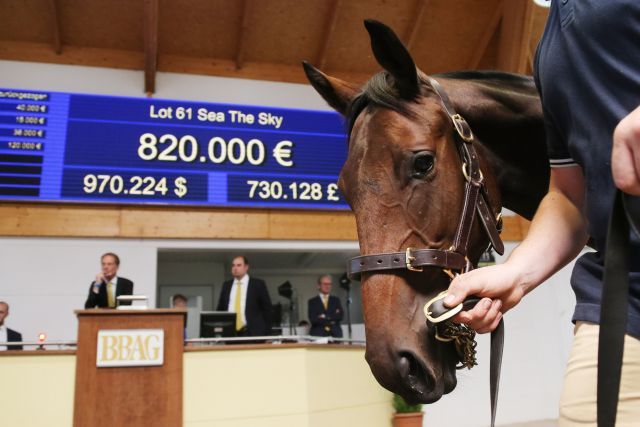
(379, 91)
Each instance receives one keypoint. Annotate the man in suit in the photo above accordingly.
(249, 297)
(6, 334)
(107, 286)
(325, 311)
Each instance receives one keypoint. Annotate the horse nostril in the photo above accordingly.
(407, 365)
(414, 372)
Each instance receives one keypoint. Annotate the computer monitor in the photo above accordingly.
(217, 324)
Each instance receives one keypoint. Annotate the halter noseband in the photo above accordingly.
(475, 200)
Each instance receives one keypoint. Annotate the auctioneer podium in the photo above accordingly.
(129, 368)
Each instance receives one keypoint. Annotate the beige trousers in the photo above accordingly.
(578, 400)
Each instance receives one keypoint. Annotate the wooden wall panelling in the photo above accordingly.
(194, 224)
(35, 220)
(516, 30)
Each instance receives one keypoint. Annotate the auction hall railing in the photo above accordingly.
(201, 342)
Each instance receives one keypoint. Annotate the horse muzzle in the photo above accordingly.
(406, 371)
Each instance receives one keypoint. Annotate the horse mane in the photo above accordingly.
(495, 79)
(379, 91)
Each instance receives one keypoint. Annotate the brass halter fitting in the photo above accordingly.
(462, 127)
(408, 259)
(468, 178)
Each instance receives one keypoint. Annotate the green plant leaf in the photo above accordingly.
(401, 406)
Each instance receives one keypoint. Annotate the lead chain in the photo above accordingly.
(464, 339)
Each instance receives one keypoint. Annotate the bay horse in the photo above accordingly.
(405, 178)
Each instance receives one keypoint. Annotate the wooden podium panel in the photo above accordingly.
(132, 395)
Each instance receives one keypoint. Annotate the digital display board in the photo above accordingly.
(64, 147)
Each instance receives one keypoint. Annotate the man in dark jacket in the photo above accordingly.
(249, 297)
(325, 311)
(6, 334)
(107, 286)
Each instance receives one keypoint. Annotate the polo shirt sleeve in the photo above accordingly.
(557, 149)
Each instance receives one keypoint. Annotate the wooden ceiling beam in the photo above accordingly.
(515, 35)
(242, 33)
(330, 25)
(250, 70)
(74, 55)
(415, 23)
(55, 19)
(485, 38)
(150, 45)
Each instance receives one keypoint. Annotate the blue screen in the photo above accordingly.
(65, 147)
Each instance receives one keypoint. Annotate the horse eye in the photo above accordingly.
(422, 165)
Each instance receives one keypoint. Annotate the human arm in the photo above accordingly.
(223, 299)
(94, 297)
(625, 155)
(14, 336)
(557, 234)
(316, 317)
(338, 313)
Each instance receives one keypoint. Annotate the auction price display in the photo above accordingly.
(104, 149)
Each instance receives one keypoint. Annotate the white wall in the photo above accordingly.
(94, 80)
(46, 279)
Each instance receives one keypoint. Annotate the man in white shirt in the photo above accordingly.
(249, 297)
(107, 286)
(6, 334)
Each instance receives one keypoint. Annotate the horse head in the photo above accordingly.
(404, 178)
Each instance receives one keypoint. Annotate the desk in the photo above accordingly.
(284, 385)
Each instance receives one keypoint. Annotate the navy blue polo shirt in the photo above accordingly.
(588, 75)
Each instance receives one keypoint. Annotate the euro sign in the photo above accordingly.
(282, 153)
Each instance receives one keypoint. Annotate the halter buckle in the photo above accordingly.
(462, 127)
(468, 177)
(408, 259)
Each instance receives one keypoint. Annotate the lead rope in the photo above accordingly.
(464, 339)
(615, 306)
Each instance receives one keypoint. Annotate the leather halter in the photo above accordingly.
(475, 201)
(454, 258)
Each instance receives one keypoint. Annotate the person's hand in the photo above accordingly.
(99, 279)
(97, 282)
(500, 287)
(625, 156)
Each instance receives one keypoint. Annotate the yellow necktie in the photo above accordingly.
(238, 306)
(111, 299)
(325, 302)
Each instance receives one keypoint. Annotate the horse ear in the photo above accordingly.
(336, 92)
(394, 57)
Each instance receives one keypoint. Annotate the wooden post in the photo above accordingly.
(129, 395)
